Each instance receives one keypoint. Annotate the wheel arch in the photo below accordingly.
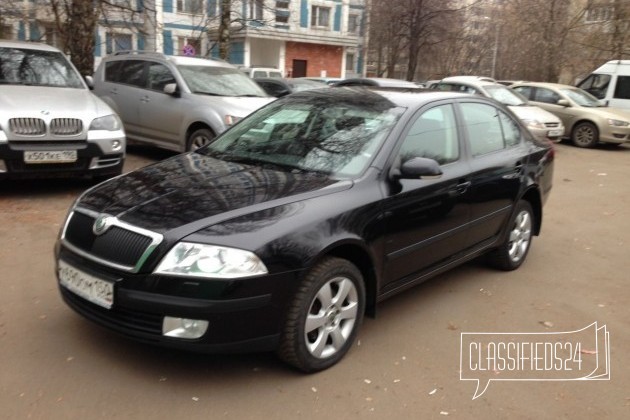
(580, 121)
(358, 255)
(532, 196)
(197, 125)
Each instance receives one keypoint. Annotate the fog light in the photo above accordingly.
(116, 145)
(183, 327)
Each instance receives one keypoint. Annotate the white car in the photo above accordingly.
(50, 122)
(542, 124)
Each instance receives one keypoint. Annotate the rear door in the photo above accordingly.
(498, 157)
(427, 218)
(124, 82)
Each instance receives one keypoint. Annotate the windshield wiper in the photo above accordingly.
(199, 92)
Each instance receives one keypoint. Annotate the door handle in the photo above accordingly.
(145, 99)
(462, 187)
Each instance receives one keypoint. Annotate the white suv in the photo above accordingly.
(50, 122)
(175, 102)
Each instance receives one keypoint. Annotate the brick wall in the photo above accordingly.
(318, 58)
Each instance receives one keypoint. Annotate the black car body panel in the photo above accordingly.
(397, 231)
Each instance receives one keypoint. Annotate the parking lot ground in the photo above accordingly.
(406, 364)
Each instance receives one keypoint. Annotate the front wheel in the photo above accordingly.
(512, 252)
(199, 138)
(585, 134)
(323, 319)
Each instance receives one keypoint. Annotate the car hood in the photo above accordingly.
(606, 112)
(529, 112)
(192, 191)
(50, 102)
(238, 106)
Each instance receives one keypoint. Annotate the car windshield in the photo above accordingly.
(25, 66)
(581, 97)
(309, 134)
(505, 95)
(219, 81)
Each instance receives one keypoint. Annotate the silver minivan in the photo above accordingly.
(50, 122)
(175, 102)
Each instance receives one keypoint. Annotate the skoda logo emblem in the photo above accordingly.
(101, 224)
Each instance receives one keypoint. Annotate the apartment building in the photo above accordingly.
(299, 37)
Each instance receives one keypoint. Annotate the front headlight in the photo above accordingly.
(198, 260)
(618, 123)
(531, 123)
(108, 122)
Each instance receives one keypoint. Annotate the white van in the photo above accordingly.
(610, 83)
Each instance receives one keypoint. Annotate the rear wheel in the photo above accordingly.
(199, 138)
(513, 251)
(585, 134)
(324, 317)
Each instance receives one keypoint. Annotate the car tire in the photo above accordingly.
(199, 138)
(585, 134)
(513, 251)
(324, 316)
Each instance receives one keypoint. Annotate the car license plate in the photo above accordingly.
(98, 291)
(554, 133)
(51, 156)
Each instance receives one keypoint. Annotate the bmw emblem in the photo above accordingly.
(102, 223)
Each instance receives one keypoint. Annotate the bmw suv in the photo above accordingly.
(177, 103)
(50, 122)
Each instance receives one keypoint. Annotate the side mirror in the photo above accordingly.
(89, 81)
(171, 89)
(420, 167)
(563, 102)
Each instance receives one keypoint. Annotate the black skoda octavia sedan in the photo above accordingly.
(288, 228)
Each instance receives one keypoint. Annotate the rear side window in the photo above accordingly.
(622, 90)
(526, 91)
(489, 129)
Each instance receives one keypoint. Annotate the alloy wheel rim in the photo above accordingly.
(584, 135)
(520, 236)
(199, 141)
(331, 317)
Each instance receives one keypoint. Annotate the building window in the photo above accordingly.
(194, 7)
(599, 14)
(6, 31)
(350, 62)
(256, 9)
(353, 24)
(320, 16)
(282, 17)
(282, 4)
(119, 42)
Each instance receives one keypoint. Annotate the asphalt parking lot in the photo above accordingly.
(56, 365)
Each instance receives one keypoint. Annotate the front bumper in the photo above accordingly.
(617, 135)
(243, 314)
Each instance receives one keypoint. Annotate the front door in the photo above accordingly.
(427, 218)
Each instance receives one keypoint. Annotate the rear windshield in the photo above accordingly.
(23, 66)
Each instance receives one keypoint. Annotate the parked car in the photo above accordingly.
(541, 123)
(289, 227)
(174, 102)
(50, 122)
(326, 80)
(586, 120)
(610, 83)
(281, 87)
(257, 71)
(377, 82)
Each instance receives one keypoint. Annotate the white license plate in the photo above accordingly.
(554, 133)
(51, 156)
(95, 290)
